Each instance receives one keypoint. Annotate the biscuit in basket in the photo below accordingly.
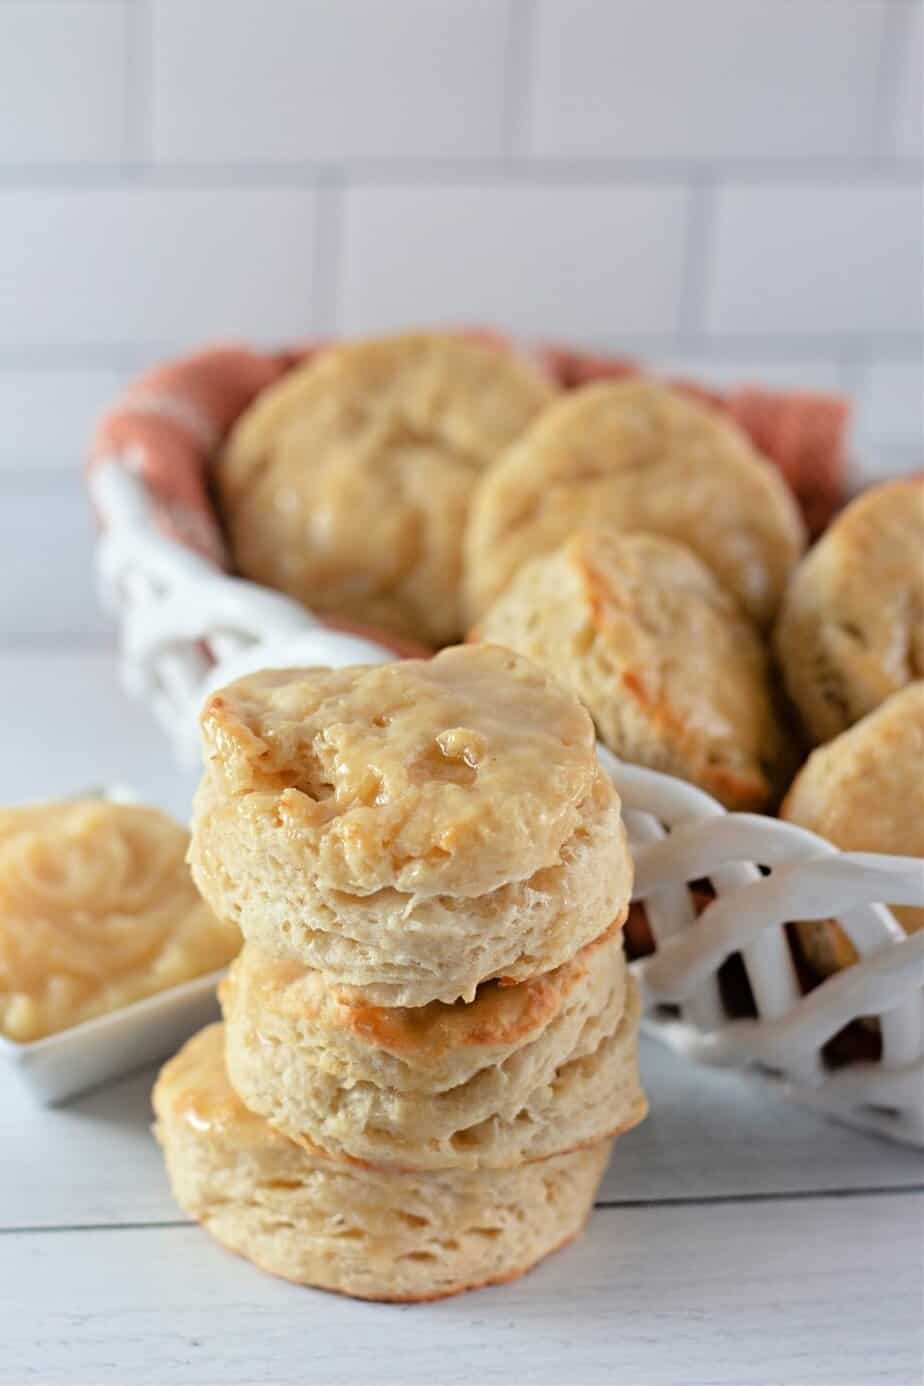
(864, 791)
(671, 670)
(636, 455)
(415, 828)
(97, 910)
(347, 484)
(851, 630)
(522, 1072)
(340, 1225)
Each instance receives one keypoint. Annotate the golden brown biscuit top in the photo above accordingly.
(638, 621)
(470, 396)
(864, 791)
(858, 596)
(502, 1013)
(451, 775)
(97, 909)
(638, 456)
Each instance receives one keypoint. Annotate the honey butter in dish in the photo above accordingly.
(108, 954)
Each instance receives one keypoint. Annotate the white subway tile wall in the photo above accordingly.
(812, 258)
(325, 80)
(891, 402)
(136, 265)
(48, 413)
(704, 80)
(579, 261)
(63, 82)
(727, 188)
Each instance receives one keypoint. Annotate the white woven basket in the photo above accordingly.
(186, 628)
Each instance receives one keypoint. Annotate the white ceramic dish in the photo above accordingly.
(61, 1065)
(71, 1061)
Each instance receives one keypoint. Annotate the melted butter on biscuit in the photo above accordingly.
(455, 774)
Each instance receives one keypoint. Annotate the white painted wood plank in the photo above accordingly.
(818, 1293)
(714, 1134)
(710, 1136)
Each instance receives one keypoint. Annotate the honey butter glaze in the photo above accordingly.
(97, 909)
(455, 774)
(347, 484)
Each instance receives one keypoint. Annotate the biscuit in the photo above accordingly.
(399, 948)
(416, 828)
(671, 670)
(97, 910)
(347, 484)
(438, 1086)
(454, 774)
(864, 791)
(635, 455)
(339, 1225)
(851, 630)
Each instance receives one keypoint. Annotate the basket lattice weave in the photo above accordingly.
(187, 627)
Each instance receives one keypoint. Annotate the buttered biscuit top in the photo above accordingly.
(636, 456)
(456, 774)
(97, 909)
(669, 666)
(347, 485)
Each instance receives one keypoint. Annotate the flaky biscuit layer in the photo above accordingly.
(338, 1225)
(425, 1090)
(672, 671)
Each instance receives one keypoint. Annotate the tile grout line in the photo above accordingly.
(515, 169)
(781, 346)
(517, 66)
(895, 27)
(138, 83)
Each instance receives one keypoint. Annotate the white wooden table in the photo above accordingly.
(737, 1240)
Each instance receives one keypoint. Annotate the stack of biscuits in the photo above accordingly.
(430, 1036)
